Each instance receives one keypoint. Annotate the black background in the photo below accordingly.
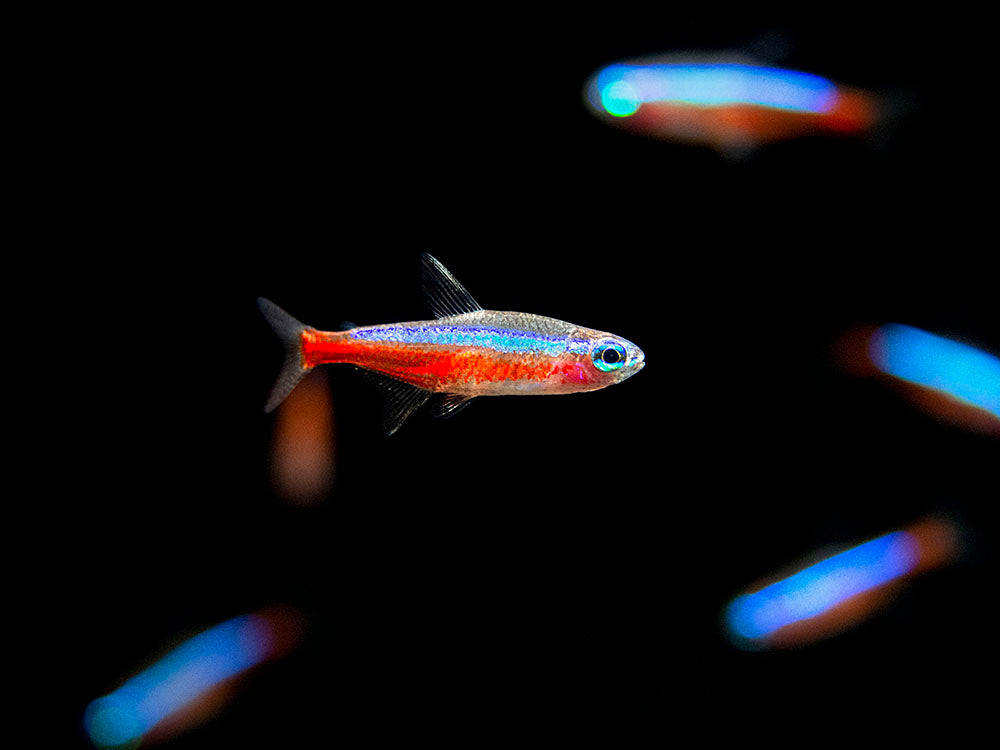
(554, 564)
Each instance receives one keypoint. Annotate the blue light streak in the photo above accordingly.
(820, 587)
(957, 369)
(191, 669)
(624, 88)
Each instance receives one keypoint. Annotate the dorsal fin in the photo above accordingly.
(444, 295)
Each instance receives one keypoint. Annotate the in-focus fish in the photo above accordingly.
(466, 352)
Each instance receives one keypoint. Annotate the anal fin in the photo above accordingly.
(450, 404)
(401, 399)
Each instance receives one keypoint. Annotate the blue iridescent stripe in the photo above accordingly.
(497, 339)
(623, 88)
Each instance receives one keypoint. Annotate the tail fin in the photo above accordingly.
(289, 330)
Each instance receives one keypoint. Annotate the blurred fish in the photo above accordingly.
(949, 379)
(730, 103)
(466, 352)
(193, 681)
(841, 590)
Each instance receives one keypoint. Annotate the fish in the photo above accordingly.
(728, 102)
(465, 352)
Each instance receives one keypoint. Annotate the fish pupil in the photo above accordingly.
(610, 356)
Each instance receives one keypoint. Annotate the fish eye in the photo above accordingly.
(608, 356)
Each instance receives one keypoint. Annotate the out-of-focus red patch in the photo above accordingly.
(302, 449)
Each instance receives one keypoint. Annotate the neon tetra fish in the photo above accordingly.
(727, 102)
(466, 352)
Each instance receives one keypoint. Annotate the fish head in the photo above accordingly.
(602, 359)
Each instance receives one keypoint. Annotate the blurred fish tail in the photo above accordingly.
(289, 331)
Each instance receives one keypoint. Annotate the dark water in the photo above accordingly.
(532, 564)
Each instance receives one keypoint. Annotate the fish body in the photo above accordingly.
(484, 353)
(729, 103)
(465, 352)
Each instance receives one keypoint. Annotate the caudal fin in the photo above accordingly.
(289, 330)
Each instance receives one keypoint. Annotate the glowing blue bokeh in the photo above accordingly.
(922, 358)
(819, 587)
(620, 98)
(623, 88)
(191, 669)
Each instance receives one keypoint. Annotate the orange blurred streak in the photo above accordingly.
(938, 542)
(302, 449)
(850, 351)
(854, 112)
(748, 124)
